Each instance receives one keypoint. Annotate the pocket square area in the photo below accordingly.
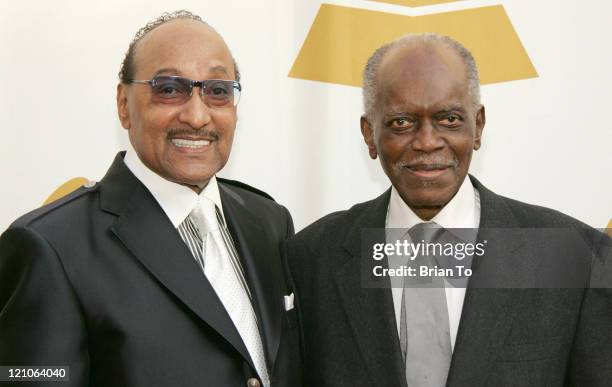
(288, 302)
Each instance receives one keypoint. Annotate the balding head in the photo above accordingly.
(128, 66)
(420, 43)
(178, 41)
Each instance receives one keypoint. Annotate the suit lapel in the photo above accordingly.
(486, 318)
(370, 311)
(260, 258)
(148, 234)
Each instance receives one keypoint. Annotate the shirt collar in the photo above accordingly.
(463, 211)
(176, 200)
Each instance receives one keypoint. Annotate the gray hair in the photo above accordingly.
(370, 72)
(126, 73)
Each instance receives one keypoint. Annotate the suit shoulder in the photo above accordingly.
(528, 215)
(244, 188)
(335, 223)
(534, 216)
(531, 215)
(57, 208)
(259, 202)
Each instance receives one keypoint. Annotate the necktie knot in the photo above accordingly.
(204, 215)
(425, 231)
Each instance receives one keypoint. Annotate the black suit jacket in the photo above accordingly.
(506, 337)
(101, 281)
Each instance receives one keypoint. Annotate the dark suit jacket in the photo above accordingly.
(101, 281)
(507, 337)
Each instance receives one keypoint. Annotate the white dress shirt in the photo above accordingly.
(175, 199)
(463, 211)
(177, 202)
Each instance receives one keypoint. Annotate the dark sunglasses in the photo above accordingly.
(172, 89)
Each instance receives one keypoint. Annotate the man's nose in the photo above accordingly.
(427, 138)
(195, 112)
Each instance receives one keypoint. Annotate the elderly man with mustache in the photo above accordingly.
(161, 274)
(528, 311)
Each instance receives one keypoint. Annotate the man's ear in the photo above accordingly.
(122, 106)
(368, 136)
(481, 119)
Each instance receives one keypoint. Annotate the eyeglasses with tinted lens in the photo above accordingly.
(177, 90)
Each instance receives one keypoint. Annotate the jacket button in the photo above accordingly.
(253, 382)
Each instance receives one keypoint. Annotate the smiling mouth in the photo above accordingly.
(428, 170)
(192, 144)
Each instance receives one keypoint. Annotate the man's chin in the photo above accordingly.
(423, 198)
(191, 173)
(428, 192)
(193, 181)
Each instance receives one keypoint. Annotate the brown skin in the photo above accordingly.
(193, 50)
(425, 126)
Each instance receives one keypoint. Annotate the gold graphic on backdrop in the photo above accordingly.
(341, 39)
(415, 3)
(609, 228)
(66, 188)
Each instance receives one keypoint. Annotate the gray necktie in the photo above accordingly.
(424, 326)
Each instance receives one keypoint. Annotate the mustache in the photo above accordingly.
(211, 134)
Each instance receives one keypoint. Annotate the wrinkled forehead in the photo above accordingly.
(423, 75)
(190, 47)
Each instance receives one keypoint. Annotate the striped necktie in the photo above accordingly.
(205, 234)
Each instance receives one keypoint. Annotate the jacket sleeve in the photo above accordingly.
(41, 322)
(591, 360)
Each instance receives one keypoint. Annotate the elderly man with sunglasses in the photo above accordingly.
(162, 274)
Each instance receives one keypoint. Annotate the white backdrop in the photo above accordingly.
(548, 140)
